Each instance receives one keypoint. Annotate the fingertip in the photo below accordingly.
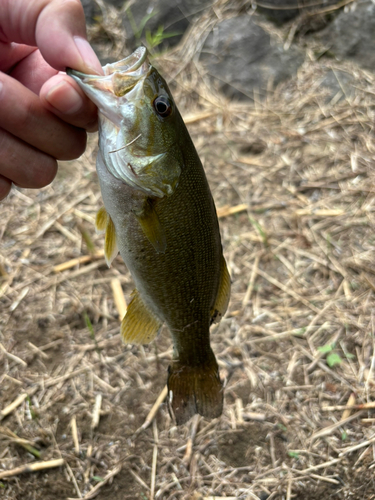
(77, 148)
(47, 175)
(38, 175)
(63, 96)
(61, 37)
(5, 187)
(89, 58)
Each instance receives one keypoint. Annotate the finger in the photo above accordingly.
(61, 95)
(33, 71)
(12, 53)
(24, 116)
(23, 164)
(5, 186)
(57, 27)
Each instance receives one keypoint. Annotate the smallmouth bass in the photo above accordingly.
(159, 213)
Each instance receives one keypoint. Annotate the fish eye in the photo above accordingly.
(163, 106)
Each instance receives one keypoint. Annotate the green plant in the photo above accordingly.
(33, 413)
(155, 39)
(332, 358)
(260, 230)
(137, 30)
(152, 40)
(92, 332)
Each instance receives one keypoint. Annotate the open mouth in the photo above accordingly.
(130, 64)
(119, 78)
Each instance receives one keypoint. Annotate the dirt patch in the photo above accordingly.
(237, 448)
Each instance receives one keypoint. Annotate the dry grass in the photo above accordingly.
(298, 169)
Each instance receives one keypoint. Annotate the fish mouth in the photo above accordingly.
(130, 64)
(119, 78)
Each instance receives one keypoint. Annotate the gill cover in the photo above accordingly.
(138, 143)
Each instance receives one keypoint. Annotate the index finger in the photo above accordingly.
(57, 27)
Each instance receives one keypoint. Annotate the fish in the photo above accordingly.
(160, 215)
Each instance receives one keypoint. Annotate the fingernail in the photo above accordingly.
(64, 98)
(88, 55)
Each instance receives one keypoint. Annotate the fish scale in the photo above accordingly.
(159, 213)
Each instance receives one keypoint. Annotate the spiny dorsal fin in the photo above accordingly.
(223, 294)
(110, 245)
(140, 325)
(151, 226)
(101, 220)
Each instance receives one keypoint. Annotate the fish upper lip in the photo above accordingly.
(131, 64)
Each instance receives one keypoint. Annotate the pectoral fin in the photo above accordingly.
(223, 294)
(103, 222)
(140, 325)
(110, 245)
(151, 226)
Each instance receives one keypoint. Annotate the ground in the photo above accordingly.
(293, 181)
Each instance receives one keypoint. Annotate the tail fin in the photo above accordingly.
(195, 389)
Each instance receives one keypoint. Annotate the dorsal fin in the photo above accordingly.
(140, 325)
(223, 294)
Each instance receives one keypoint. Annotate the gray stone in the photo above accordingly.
(91, 10)
(241, 57)
(281, 11)
(279, 14)
(352, 35)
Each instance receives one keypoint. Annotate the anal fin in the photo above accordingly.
(151, 226)
(195, 389)
(223, 294)
(140, 325)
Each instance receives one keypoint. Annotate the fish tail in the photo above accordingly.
(195, 389)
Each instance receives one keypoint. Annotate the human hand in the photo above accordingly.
(39, 38)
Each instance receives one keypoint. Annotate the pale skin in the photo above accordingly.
(44, 115)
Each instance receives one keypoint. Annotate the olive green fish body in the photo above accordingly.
(160, 214)
(179, 285)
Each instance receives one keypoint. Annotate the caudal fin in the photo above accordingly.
(195, 389)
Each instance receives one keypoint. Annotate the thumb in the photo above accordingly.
(56, 27)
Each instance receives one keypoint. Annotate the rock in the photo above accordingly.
(173, 16)
(281, 11)
(241, 57)
(279, 14)
(91, 10)
(352, 35)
